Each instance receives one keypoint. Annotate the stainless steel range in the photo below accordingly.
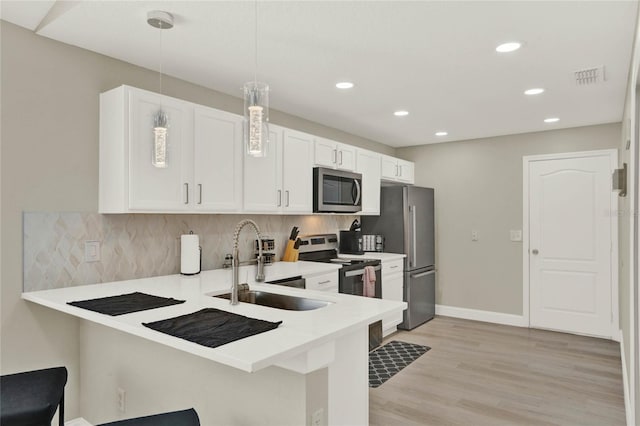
(324, 248)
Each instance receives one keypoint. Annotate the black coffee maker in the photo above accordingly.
(351, 240)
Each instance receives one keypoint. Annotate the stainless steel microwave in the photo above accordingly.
(336, 191)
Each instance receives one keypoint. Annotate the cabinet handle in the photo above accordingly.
(340, 158)
(324, 282)
(279, 197)
(397, 170)
(335, 156)
(393, 267)
(199, 193)
(186, 191)
(286, 193)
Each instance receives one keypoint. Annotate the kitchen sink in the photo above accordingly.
(278, 301)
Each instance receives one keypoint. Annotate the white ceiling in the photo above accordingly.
(435, 59)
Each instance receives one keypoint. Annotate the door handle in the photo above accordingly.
(286, 193)
(360, 272)
(423, 274)
(414, 257)
(534, 251)
(199, 193)
(357, 192)
(335, 156)
(186, 191)
(279, 197)
(340, 159)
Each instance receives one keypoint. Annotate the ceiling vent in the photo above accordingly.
(590, 76)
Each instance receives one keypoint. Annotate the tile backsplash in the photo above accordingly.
(142, 245)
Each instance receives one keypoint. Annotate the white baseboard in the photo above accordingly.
(625, 384)
(485, 316)
(77, 422)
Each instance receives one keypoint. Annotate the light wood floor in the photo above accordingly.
(486, 374)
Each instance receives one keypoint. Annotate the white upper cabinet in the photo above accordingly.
(282, 181)
(217, 182)
(203, 156)
(368, 164)
(263, 177)
(328, 153)
(397, 170)
(297, 172)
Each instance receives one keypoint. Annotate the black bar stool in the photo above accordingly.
(175, 418)
(31, 398)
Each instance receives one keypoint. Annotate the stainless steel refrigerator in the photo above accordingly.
(407, 223)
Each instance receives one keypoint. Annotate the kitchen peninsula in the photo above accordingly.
(312, 369)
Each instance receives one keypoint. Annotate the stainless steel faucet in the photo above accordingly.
(236, 258)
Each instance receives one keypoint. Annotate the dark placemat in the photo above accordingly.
(212, 327)
(125, 303)
(389, 359)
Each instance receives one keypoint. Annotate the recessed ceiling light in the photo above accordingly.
(535, 91)
(401, 113)
(441, 133)
(551, 120)
(508, 47)
(344, 85)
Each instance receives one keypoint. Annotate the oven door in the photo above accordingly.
(336, 191)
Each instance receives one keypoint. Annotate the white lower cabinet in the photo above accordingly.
(326, 281)
(392, 289)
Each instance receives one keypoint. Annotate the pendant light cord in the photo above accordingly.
(161, 56)
(255, 59)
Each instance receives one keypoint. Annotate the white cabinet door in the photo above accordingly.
(263, 177)
(325, 152)
(346, 157)
(389, 167)
(405, 171)
(152, 188)
(217, 159)
(328, 153)
(392, 289)
(368, 164)
(297, 177)
(397, 170)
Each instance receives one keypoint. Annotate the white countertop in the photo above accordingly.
(384, 257)
(299, 332)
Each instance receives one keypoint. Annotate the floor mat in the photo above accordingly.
(388, 359)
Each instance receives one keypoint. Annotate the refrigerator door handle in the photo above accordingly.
(414, 257)
(423, 274)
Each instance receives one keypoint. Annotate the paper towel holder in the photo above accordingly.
(199, 261)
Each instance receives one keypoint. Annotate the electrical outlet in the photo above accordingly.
(317, 417)
(474, 235)
(92, 251)
(121, 400)
(515, 235)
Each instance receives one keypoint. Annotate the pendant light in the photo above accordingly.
(256, 108)
(163, 21)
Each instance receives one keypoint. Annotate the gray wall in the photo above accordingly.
(478, 186)
(50, 163)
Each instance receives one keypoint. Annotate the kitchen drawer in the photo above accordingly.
(323, 282)
(393, 267)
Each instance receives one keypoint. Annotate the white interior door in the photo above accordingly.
(570, 244)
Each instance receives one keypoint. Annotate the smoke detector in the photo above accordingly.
(590, 76)
(160, 19)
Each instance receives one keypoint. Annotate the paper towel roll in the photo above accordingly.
(189, 254)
